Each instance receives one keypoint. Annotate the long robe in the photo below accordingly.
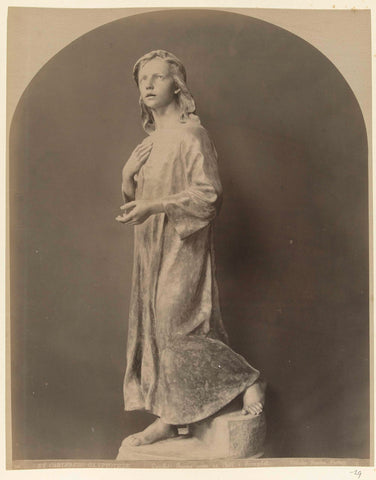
(179, 366)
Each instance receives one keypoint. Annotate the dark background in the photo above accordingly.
(291, 240)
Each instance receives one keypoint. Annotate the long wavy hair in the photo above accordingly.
(184, 97)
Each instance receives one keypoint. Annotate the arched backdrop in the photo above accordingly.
(291, 239)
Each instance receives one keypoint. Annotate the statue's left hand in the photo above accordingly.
(138, 211)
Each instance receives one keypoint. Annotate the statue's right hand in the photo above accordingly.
(138, 157)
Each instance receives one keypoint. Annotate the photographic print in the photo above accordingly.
(188, 237)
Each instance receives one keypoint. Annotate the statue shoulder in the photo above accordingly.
(196, 133)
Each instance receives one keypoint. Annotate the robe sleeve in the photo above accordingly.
(196, 206)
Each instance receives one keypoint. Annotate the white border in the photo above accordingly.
(301, 473)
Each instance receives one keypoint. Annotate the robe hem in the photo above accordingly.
(208, 412)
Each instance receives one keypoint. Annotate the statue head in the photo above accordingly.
(183, 96)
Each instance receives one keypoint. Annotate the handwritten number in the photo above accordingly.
(357, 473)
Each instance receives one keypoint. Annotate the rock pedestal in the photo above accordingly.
(233, 434)
(230, 435)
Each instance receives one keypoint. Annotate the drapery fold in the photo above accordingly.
(176, 338)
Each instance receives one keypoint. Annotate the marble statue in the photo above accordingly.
(179, 365)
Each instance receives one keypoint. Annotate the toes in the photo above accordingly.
(127, 441)
(258, 407)
(135, 442)
(132, 441)
(253, 409)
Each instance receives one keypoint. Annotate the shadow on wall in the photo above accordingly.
(291, 239)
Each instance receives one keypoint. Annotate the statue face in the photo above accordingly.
(156, 84)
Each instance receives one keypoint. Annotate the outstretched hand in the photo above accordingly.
(138, 211)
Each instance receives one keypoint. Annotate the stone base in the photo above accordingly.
(231, 435)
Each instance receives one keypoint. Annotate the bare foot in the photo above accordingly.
(254, 398)
(158, 430)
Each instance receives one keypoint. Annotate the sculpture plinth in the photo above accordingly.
(230, 435)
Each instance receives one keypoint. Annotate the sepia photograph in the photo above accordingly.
(189, 225)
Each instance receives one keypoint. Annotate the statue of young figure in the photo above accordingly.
(179, 366)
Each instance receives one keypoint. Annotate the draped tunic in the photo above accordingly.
(179, 366)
